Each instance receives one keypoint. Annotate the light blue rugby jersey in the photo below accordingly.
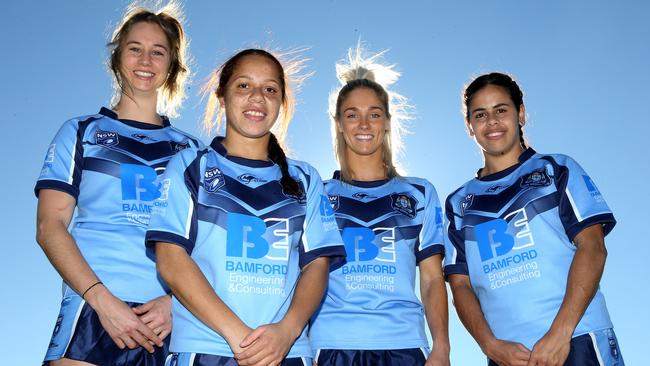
(112, 168)
(388, 227)
(249, 239)
(512, 233)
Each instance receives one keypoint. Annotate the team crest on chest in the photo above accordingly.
(466, 203)
(334, 202)
(213, 179)
(536, 178)
(404, 204)
(106, 138)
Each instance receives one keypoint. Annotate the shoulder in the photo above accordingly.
(196, 142)
(419, 183)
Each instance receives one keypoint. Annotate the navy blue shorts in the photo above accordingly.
(599, 348)
(396, 357)
(79, 335)
(202, 359)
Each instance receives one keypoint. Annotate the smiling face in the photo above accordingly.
(252, 97)
(363, 123)
(494, 122)
(144, 59)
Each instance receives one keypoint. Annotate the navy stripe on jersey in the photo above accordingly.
(365, 211)
(146, 151)
(73, 188)
(334, 254)
(572, 225)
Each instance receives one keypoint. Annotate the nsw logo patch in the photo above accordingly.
(404, 203)
(106, 138)
(334, 202)
(536, 178)
(213, 179)
(466, 203)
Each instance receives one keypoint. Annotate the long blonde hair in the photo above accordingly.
(362, 71)
(169, 18)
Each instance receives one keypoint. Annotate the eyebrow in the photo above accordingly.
(370, 108)
(250, 78)
(494, 106)
(155, 45)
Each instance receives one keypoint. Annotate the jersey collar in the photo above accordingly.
(525, 155)
(221, 150)
(137, 124)
(361, 184)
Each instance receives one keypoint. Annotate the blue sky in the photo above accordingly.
(583, 66)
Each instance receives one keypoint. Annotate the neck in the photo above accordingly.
(140, 108)
(496, 163)
(245, 147)
(365, 168)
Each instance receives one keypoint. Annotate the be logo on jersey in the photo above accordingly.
(364, 244)
(260, 246)
(213, 179)
(405, 204)
(140, 183)
(504, 242)
(106, 138)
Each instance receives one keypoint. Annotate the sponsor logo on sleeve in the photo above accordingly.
(593, 190)
(404, 204)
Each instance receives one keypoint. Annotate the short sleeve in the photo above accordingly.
(430, 241)
(455, 261)
(321, 237)
(581, 204)
(174, 218)
(63, 162)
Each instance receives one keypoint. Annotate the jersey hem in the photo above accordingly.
(430, 251)
(607, 220)
(153, 236)
(58, 186)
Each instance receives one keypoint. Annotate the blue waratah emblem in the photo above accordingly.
(404, 203)
(536, 178)
(213, 179)
(106, 138)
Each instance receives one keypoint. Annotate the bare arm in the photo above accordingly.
(269, 344)
(192, 289)
(470, 313)
(434, 297)
(54, 213)
(584, 275)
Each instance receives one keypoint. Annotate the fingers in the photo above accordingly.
(251, 337)
(143, 308)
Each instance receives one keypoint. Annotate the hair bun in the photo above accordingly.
(359, 66)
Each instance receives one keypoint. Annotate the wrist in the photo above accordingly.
(95, 295)
(561, 331)
(293, 328)
(489, 345)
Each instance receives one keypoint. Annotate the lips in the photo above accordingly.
(363, 137)
(493, 135)
(254, 115)
(143, 74)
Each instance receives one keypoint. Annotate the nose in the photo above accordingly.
(492, 119)
(364, 123)
(145, 58)
(256, 95)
